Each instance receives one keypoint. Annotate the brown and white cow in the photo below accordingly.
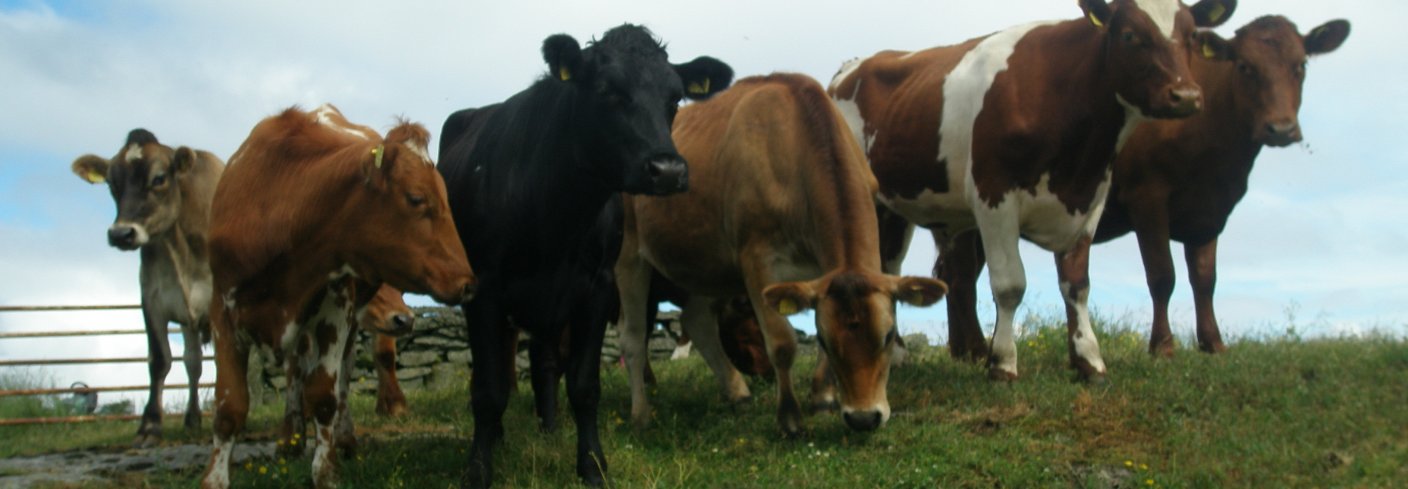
(1181, 179)
(1014, 133)
(780, 208)
(313, 215)
(163, 208)
(384, 318)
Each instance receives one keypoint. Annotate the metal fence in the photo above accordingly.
(76, 361)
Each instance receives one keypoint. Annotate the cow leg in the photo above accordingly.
(294, 428)
(895, 235)
(1151, 228)
(1009, 284)
(346, 433)
(699, 322)
(1202, 275)
(390, 401)
(543, 368)
(1073, 266)
(823, 385)
(511, 353)
(330, 327)
(488, 389)
(158, 366)
(190, 334)
(778, 336)
(633, 283)
(231, 394)
(959, 263)
(584, 387)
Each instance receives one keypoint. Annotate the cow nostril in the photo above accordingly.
(862, 420)
(403, 322)
(122, 235)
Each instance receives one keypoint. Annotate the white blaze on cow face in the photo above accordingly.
(134, 152)
(1164, 13)
(418, 148)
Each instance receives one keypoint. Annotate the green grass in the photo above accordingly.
(1273, 412)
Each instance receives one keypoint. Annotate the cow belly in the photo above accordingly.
(941, 211)
(1050, 223)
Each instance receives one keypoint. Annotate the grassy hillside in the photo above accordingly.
(1274, 412)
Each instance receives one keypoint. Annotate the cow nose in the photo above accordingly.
(1282, 133)
(668, 174)
(468, 289)
(403, 323)
(1185, 101)
(122, 237)
(867, 420)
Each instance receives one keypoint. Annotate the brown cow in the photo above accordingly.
(312, 216)
(163, 208)
(780, 208)
(1181, 179)
(384, 318)
(1013, 134)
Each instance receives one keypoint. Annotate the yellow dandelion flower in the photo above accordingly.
(283, 469)
(1148, 482)
(263, 470)
(1143, 466)
(293, 442)
(249, 466)
(1128, 463)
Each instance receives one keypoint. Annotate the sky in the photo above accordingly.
(1318, 242)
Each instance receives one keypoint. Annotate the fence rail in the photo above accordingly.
(78, 361)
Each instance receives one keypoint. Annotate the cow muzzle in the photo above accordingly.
(126, 237)
(863, 420)
(667, 174)
(1280, 134)
(397, 325)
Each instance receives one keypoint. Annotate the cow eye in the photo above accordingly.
(415, 200)
(1130, 38)
(892, 336)
(159, 180)
(1300, 69)
(1246, 69)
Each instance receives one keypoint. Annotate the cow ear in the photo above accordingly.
(1214, 47)
(184, 159)
(1097, 11)
(704, 77)
(378, 161)
(91, 168)
(563, 55)
(790, 298)
(1327, 37)
(918, 291)
(1212, 13)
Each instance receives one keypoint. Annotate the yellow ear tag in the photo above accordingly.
(699, 88)
(376, 152)
(1208, 51)
(1217, 11)
(1095, 20)
(787, 307)
(96, 177)
(564, 74)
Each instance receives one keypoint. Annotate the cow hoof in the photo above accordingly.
(547, 426)
(997, 374)
(741, 401)
(392, 410)
(147, 440)
(193, 420)
(477, 476)
(1212, 348)
(591, 473)
(1093, 379)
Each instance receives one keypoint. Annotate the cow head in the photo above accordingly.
(625, 94)
(855, 322)
(1270, 58)
(1148, 44)
(144, 179)
(406, 237)
(387, 313)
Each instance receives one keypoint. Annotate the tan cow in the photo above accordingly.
(163, 208)
(781, 208)
(312, 216)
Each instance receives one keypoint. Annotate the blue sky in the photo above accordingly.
(1321, 233)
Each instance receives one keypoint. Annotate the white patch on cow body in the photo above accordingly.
(229, 298)
(134, 152)
(850, 111)
(1133, 117)
(1164, 13)
(324, 115)
(345, 271)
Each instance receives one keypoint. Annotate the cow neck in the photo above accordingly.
(1089, 100)
(845, 234)
(560, 194)
(1222, 128)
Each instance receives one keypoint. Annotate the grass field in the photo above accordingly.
(1273, 412)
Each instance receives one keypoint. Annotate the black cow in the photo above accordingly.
(528, 179)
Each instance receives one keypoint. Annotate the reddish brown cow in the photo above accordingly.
(1181, 179)
(780, 208)
(312, 216)
(1013, 135)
